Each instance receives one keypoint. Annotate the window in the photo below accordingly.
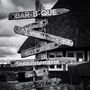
(88, 56)
(52, 66)
(77, 54)
(59, 54)
(70, 54)
(55, 54)
(59, 66)
(55, 67)
(51, 55)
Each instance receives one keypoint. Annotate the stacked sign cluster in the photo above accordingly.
(30, 30)
(55, 42)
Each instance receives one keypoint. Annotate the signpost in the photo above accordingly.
(38, 49)
(56, 41)
(50, 61)
(42, 35)
(34, 14)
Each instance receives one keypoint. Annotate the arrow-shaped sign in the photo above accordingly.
(33, 14)
(29, 74)
(37, 24)
(50, 61)
(41, 72)
(38, 49)
(38, 84)
(42, 35)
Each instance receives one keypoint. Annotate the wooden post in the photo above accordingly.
(39, 6)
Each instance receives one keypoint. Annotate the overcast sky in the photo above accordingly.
(9, 41)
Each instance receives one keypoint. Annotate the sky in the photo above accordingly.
(9, 41)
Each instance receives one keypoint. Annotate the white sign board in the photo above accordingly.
(33, 14)
(36, 50)
(29, 74)
(50, 61)
(41, 72)
(42, 35)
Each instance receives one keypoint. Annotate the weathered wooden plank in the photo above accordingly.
(37, 50)
(42, 35)
(50, 61)
(33, 14)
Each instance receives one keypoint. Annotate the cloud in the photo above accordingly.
(8, 38)
(9, 41)
(30, 4)
(6, 6)
(7, 26)
(26, 4)
(9, 46)
(48, 4)
(14, 41)
(4, 51)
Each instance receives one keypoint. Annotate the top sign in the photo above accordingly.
(33, 14)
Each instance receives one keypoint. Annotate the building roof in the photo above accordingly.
(74, 25)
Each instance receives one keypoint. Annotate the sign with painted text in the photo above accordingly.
(34, 14)
(41, 72)
(50, 61)
(36, 50)
(29, 74)
(38, 84)
(15, 69)
(37, 24)
(42, 35)
(42, 56)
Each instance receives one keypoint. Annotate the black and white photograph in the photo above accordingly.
(44, 45)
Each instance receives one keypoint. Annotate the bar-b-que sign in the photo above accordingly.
(33, 14)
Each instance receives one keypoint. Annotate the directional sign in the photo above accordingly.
(15, 69)
(41, 72)
(33, 14)
(42, 35)
(50, 61)
(38, 84)
(36, 50)
(29, 74)
(37, 24)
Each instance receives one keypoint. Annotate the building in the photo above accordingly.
(73, 25)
